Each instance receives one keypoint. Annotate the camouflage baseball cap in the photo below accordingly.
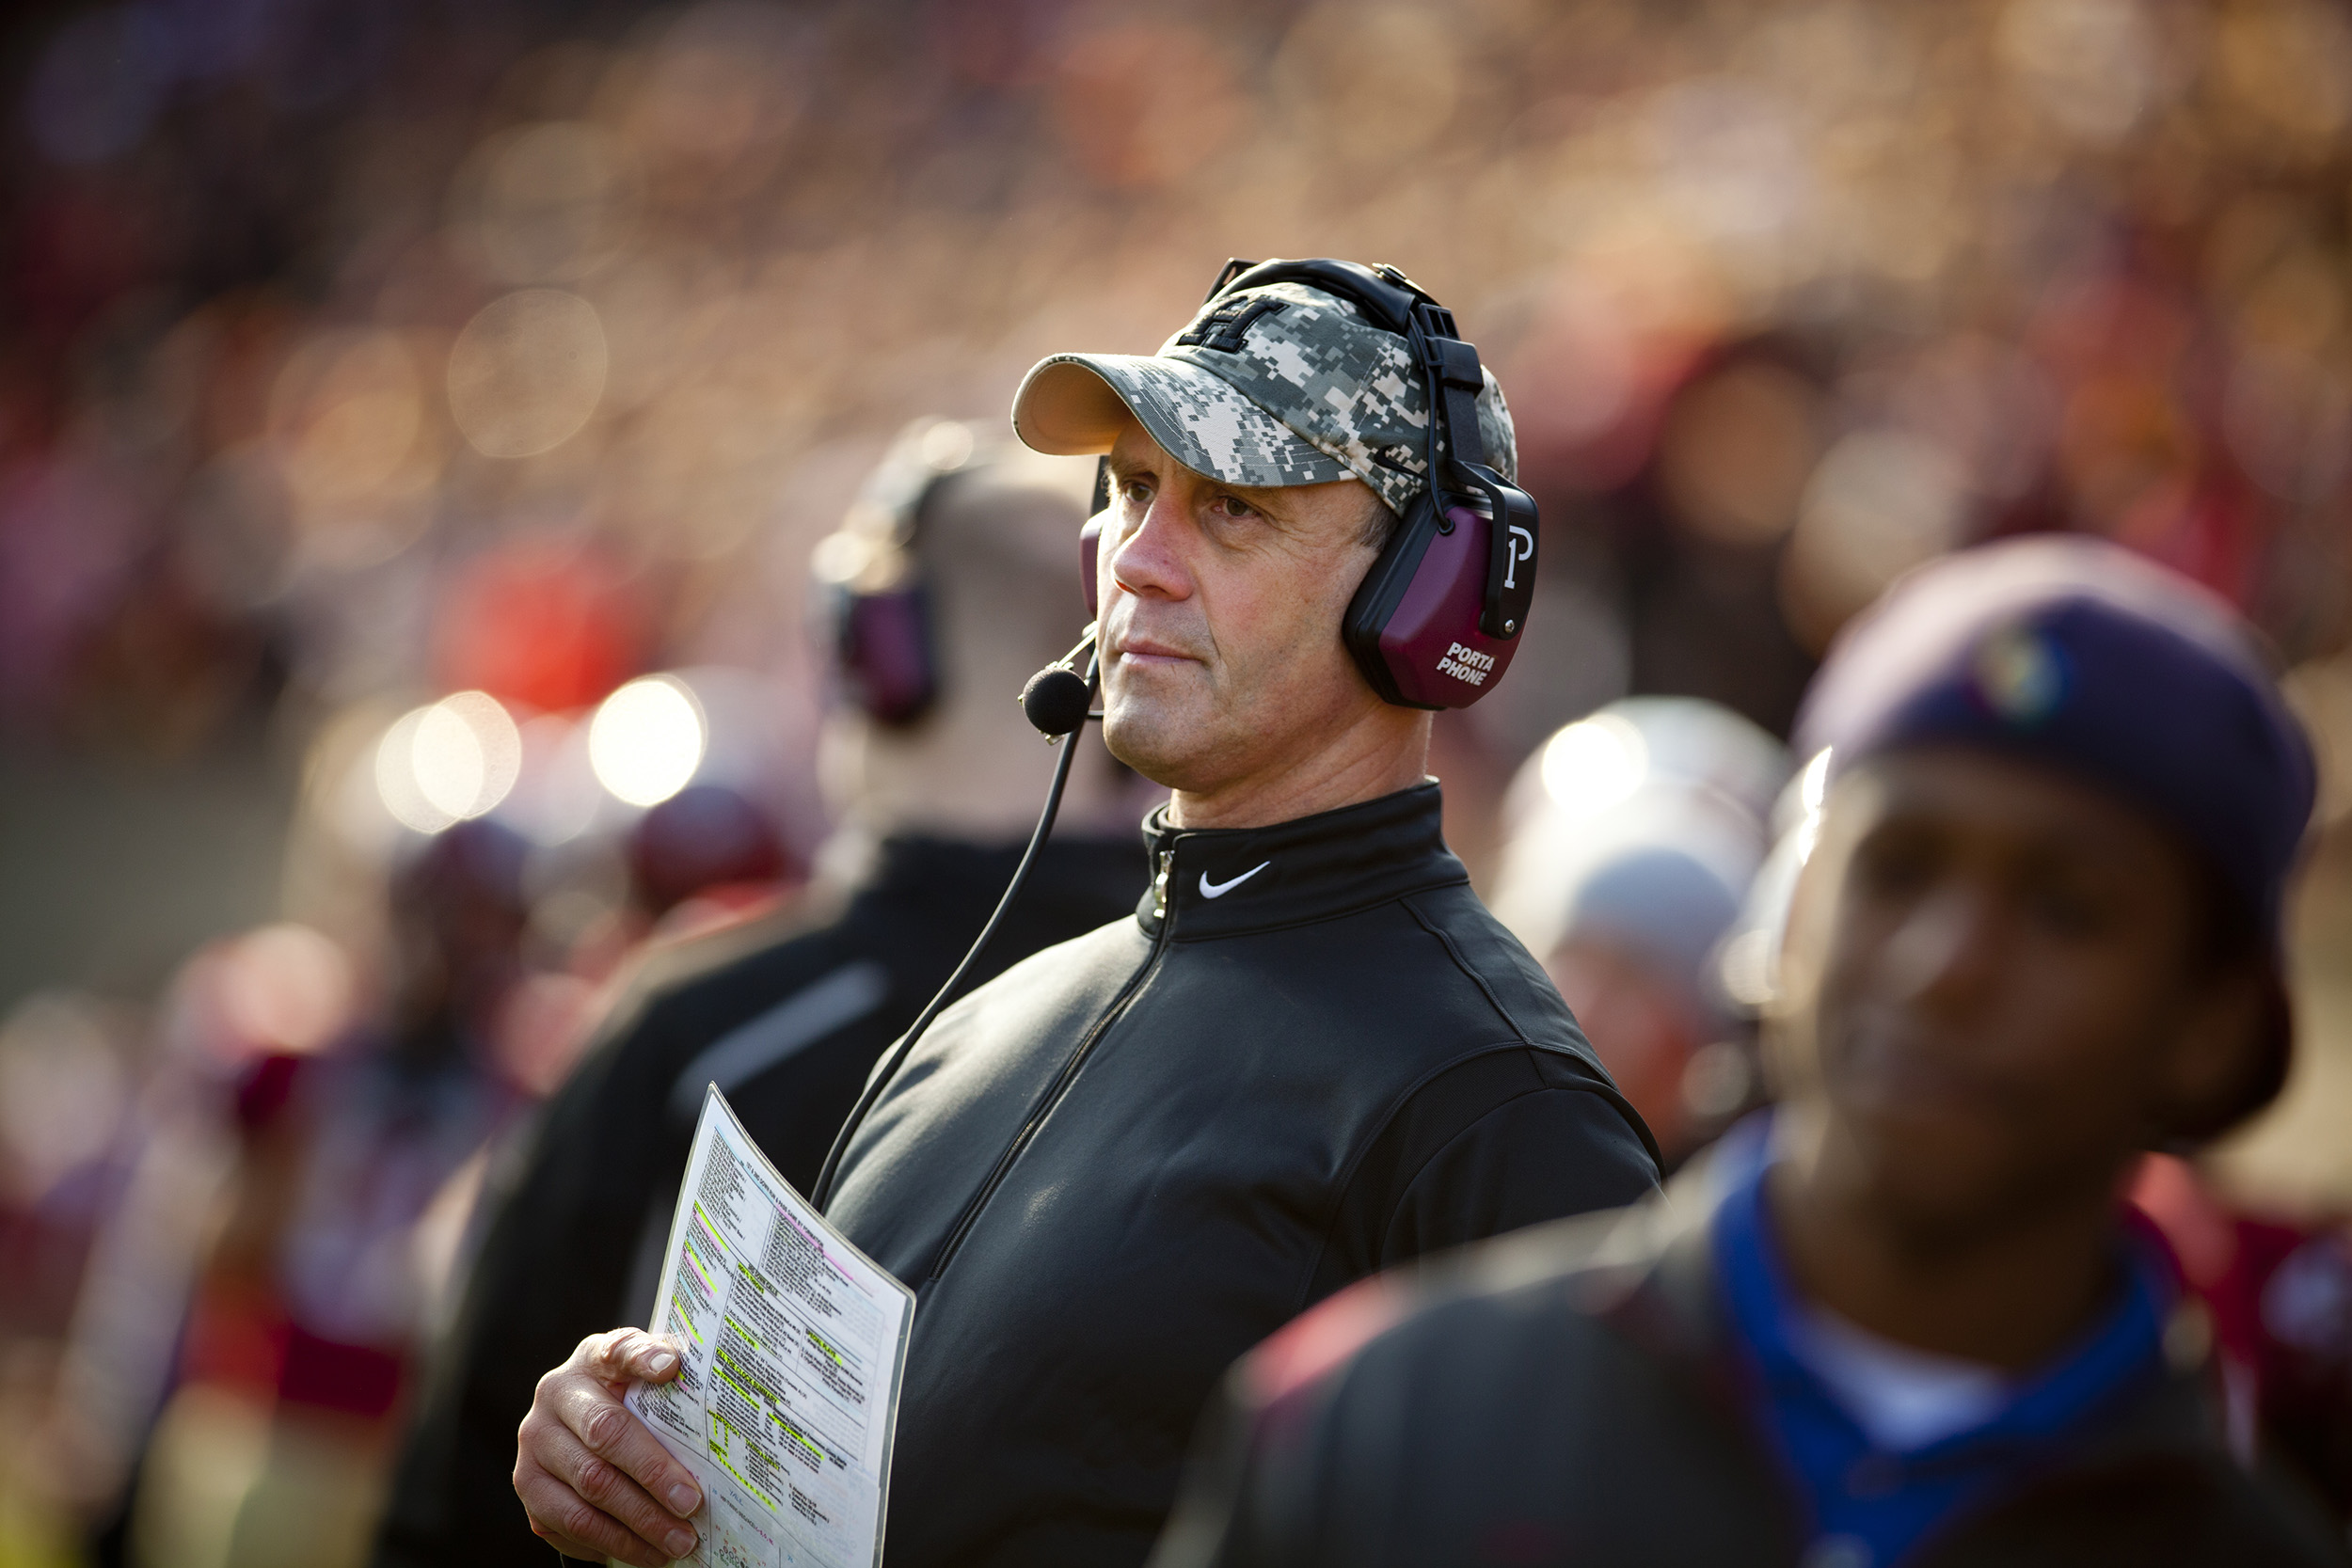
(1273, 385)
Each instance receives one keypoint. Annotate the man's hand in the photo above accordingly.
(595, 1482)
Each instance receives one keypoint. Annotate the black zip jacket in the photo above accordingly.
(1571, 1397)
(1313, 1053)
(787, 1016)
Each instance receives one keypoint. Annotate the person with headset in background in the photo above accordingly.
(1310, 1055)
(944, 587)
(1908, 1317)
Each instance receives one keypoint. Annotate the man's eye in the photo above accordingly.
(1134, 490)
(1233, 506)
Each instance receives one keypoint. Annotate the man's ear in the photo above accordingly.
(2219, 1053)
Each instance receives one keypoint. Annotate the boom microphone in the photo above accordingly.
(1057, 697)
(1056, 700)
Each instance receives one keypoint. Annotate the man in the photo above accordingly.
(1904, 1320)
(788, 1014)
(1311, 1055)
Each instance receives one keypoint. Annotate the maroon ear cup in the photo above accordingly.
(885, 654)
(882, 637)
(1413, 624)
(1090, 548)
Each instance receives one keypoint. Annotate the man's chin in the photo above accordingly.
(1158, 740)
(1139, 737)
(1945, 1173)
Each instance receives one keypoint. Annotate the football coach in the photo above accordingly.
(1311, 1055)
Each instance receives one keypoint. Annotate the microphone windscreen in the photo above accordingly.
(1055, 700)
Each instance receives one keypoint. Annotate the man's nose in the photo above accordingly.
(1946, 952)
(1148, 560)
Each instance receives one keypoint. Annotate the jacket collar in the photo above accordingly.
(1655, 1279)
(1223, 881)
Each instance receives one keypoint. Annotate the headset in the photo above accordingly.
(869, 576)
(1433, 625)
(1438, 617)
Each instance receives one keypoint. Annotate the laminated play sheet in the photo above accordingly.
(796, 1347)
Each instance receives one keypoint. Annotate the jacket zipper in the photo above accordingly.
(1064, 1079)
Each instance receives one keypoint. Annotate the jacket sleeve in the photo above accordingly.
(1540, 1156)
(1499, 1141)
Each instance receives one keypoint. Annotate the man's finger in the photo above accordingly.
(600, 1483)
(607, 1429)
(575, 1526)
(632, 1355)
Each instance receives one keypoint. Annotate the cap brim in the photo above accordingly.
(1072, 404)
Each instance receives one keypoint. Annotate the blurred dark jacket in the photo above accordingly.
(787, 1016)
(1310, 1055)
(1575, 1394)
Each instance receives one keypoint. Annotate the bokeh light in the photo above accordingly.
(647, 739)
(285, 987)
(527, 372)
(447, 761)
(1593, 764)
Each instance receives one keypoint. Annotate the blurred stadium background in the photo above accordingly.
(416, 413)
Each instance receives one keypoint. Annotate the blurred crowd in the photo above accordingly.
(451, 399)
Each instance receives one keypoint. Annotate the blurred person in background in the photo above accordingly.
(1907, 1318)
(238, 1013)
(955, 581)
(1636, 835)
(310, 1306)
(705, 857)
(1308, 1052)
(113, 1150)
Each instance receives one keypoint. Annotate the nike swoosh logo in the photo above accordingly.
(1219, 890)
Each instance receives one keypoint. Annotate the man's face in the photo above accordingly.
(1221, 607)
(1998, 990)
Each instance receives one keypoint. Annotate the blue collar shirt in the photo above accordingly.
(1868, 1506)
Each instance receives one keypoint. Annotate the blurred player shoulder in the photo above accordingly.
(705, 977)
(1573, 1392)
